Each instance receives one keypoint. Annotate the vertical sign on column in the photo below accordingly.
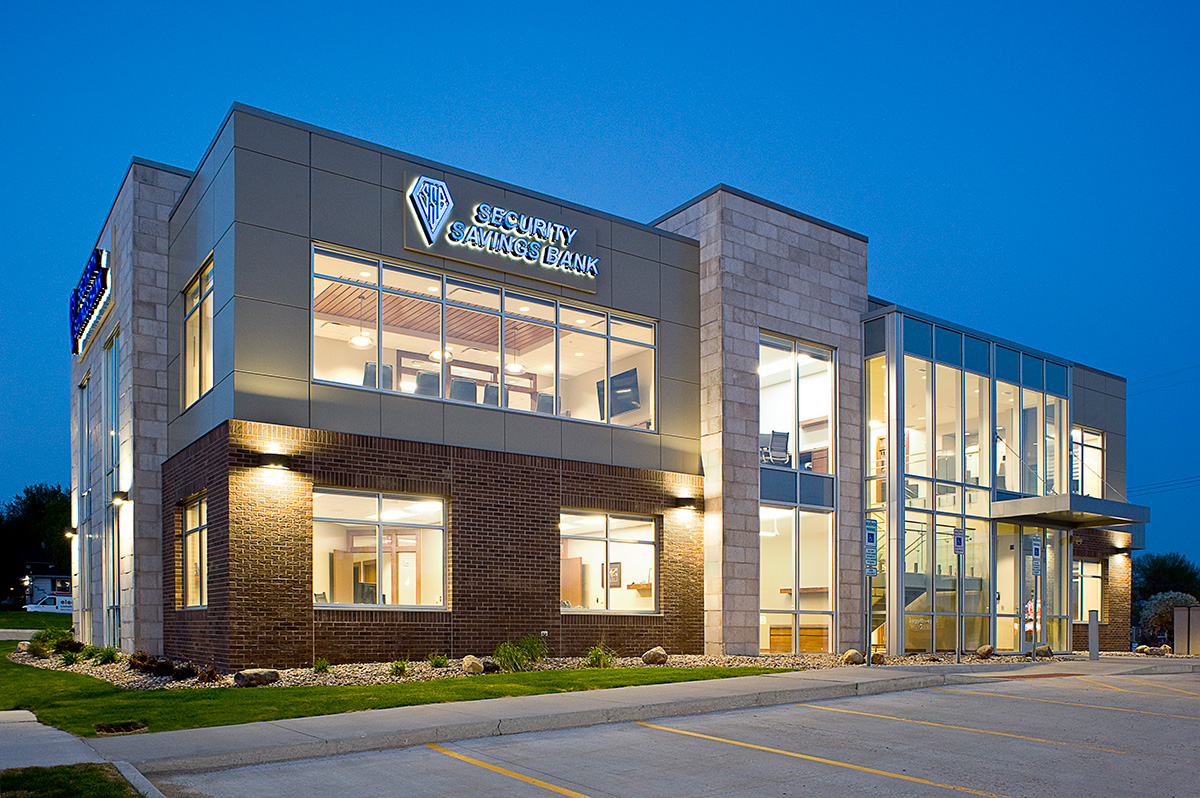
(870, 569)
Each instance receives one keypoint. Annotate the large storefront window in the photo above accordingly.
(396, 328)
(195, 554)
(378, 549)
(608, 563)
(795, 400)
(795, 580)
(1087, 462)
(197, 336)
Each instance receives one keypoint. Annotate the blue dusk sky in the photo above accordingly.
(1029, 171)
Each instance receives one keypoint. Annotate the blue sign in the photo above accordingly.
(88, 297)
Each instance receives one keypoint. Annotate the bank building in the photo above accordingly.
(330, 400)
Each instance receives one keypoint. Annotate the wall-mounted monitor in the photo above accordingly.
(625, 395)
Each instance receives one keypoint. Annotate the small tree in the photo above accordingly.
(1160, 573)
(1158, 612)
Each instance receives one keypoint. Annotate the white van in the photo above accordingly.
(51, 603)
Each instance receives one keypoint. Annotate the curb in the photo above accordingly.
(137, 780)
(516, 724)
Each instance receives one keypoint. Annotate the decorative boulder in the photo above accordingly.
(1157, 652)
(490, 667)
(877, 659)
(1166, 650)
(23, 645)
(655, 656)
(472, 664)
(1141, 650)
(853, 657)
(984, 652)
(1043, 651)
(253, 677)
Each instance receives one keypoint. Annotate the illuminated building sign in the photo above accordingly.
(88, 297)
(495, 235)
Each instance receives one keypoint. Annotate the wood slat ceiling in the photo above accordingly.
(353, 305)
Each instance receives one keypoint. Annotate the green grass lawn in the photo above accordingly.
(66, 781)
(77, 703)
(19, 619)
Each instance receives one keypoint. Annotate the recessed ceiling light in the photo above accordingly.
(433, 289)
(523, 308)
(579, 354)
(364, 274)
(581, 321)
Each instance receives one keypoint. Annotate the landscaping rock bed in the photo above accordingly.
(367, 673)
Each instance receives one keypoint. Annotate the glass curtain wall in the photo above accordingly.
(876, 493)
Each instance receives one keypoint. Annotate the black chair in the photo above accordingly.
(777, 450)
(545, 404)
(464, 390)
(429, 383)
(369, 372)
(764, 447)
(492, 394)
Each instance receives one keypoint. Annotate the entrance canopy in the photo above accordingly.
(1070, 511)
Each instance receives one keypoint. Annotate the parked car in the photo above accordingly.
(51, 603)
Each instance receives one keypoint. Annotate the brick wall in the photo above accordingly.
(1116, 570)
(503, 570)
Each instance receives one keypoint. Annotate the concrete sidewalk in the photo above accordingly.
(17, 634)
(222, 747)
(24, 742)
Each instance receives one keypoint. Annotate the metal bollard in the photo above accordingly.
(1093, 634)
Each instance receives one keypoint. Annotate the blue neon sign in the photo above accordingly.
(88, 297)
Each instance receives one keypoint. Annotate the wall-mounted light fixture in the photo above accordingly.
(274, 460)
(71, 534)
(687, 501)
(120, 497)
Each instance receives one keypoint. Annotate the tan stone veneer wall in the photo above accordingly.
(135, 235)
(762, 268)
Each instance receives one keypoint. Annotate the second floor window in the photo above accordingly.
(1087, 462)
(197, 336)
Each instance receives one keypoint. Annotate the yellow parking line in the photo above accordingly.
(1192, 697)
(509, 773)
(965, 728)
(1066, 703)
(1160, 686)
(859, 768)
(1102, 684)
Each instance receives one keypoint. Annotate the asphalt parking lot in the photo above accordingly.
(1064, 734)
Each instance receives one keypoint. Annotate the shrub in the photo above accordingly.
(90, 652)
(208, 675)
(398, 668)
(38, 650)
(184, 670)
(50, 637)
(321, 666)
(162, 667)
(511, 657)
(71, 657)
(1158, 611)
(438, 660)
(599, 656)
(534, 647)
(104, 656)
(140, 661)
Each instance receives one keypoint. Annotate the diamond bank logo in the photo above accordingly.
(432, 203)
